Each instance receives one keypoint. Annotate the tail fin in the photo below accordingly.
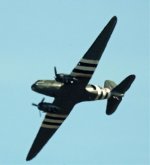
(110, 84)
(117, 94)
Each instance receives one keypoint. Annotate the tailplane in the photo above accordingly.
(117, 92)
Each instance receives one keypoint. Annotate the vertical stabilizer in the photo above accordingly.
(117, 93)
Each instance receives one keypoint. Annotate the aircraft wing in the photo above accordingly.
(87, 65)
(83, 72)
(50, 125)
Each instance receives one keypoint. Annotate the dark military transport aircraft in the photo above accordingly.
(73, 88)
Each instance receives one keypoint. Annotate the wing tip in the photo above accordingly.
(114, 19)
(28, 158)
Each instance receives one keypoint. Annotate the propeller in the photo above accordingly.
(55, 71)
(58, 77)
(42, 100)
(64, 78)
(38, 105)
(40, 113)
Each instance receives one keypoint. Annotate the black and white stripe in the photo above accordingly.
(85, 68)
(53, 121)
(102, 93)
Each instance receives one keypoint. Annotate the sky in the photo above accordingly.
(37, 35)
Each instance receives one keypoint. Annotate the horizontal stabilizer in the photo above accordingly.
(117, 94)
(109, 84)
(124, 85)
(112, 104)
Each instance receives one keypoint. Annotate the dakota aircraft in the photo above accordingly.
(73, 88)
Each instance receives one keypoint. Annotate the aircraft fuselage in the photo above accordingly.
(74, 91)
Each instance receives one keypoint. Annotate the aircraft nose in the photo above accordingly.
(33, 87)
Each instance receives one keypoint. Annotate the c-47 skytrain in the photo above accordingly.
(73, 88)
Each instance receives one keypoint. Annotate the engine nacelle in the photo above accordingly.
(48, 107)
(64, 78)
(67, 79)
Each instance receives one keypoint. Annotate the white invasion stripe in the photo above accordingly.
(85, 68)
(108, 91)
(81, 75)
(56, 115)
(98, 92)
(50, 126)
(89, 61)
(105, 92)
(53, 121)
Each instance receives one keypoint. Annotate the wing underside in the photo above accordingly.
(49, 126)
(87, 65)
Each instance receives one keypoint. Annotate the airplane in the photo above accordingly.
(70, 89)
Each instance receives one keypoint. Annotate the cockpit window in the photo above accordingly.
(39, 82)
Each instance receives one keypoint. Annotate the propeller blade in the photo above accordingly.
(40, 113)
(42, 100)
(35, 105)
(38, 105)
(55, 71)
